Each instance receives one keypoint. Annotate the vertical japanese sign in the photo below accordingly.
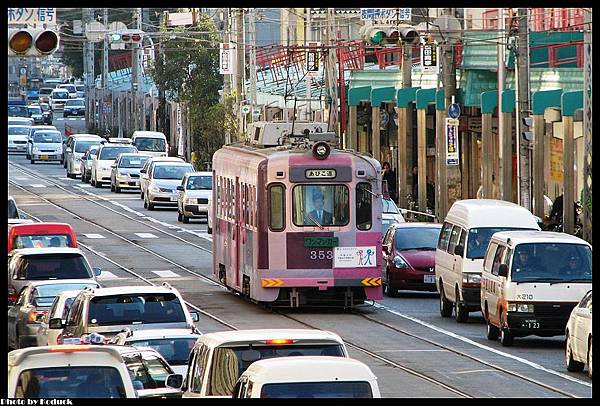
(312, 59)
(32, 16)
(556, 159)
(429, 60)
(452, 141)
(226, 58)
(180, 151)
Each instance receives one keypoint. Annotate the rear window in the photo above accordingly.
(150, 144)
(18, 130)
(71, 382)
(44, 137)
(317, 390)
(42, 241)
(82, 145)
(35, 110)
(230, 359)
(74, 103)
(54, 266)
(147, 371)
(110, 153)
(45, 90)
(175, 350)
(174, 172)
(132, 161)
(18, 111)
(44, 295)
(60, 95)
(136, 309)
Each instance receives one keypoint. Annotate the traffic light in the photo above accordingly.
(527, 124)
(32, 42)
(127, 37)
(389, 34)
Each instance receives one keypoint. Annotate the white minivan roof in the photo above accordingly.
(473, 213)
(242, 337)
(523, 237)
(148, 134)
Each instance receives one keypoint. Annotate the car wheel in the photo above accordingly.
(186, 220)
(141, 195)
(98, 184)
(117, 189)
(572, 365)
(493, 332)
(460, 311)
(31, 161)
(179, 216)
(387, 290)
(589, 358)
(209, 230)
(27, 156)
(445, 304)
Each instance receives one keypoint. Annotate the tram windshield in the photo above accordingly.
(321, 205)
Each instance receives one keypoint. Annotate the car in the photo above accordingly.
(152, 143)
(44, 94)
(147, 168)
(74, 107)
(174, 345)
(33, 264)
(409, 257)
(69, 371)
(125, 171)
(41, 235)
(17, 138)
(75, 148)
(36, 112)
(101, 163)
(80, 90)
(218, 359)
(578, 336)
(194, 193)
(391, 212)
(13, 211)
(108, 311)
(163, 179)
(46, 113)
(32, 305)
(70, 88)
(26, 121)
(58, 98)
(85, 166)
(59, 309)
(32, 130)
(307, 377)
(17, 110)
(46, 145)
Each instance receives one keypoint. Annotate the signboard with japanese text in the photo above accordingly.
(226, 58)
(354, 257)
(386, 14)
(180, 151)
(556, 159)
(46, 15)
(429, 59)
(452, 141)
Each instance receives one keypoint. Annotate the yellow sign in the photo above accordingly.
(271, 283)
(371, 281)
(556, 159)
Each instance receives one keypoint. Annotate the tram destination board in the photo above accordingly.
(320, 173)
(310, 242)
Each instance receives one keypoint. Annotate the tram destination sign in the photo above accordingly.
(320, 173)
(317, 242)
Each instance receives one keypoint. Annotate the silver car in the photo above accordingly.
(76, 146)
(163, 179)
(147, 169)
(194, 193)
(32, 130)
(125, 172)
(85, 166)
(59, 309)
(46, 145)
(32, 305)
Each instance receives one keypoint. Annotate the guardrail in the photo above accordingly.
(414, 216)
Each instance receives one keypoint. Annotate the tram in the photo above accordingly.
(297, 221)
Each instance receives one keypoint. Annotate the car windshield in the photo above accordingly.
(54, 266)
(479, 238)
(334, 389)
(94, 381)
(18, 111)
(140, 308)
(132, 161)
(60, 95)
(84, 145)
(327, 205)
(146, 370)
(74, 103)
(45, 90)
(230, 359)
(150, 144)
(14, 130)
(111, 153)
(42, 241)
(171, 171)
(47, 137)
(417, 238)
(199, 183)
(35, 110)
(44, 295)
(390, 207)
(552, 262)
(175, 350)
(80, 88)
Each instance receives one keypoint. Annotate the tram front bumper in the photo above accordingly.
(321, 283)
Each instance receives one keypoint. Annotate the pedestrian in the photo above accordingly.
(389, 176)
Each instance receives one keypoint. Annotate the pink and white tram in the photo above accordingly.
(297, 224)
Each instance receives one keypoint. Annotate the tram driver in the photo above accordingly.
(323, 217)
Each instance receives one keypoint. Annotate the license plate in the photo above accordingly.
(428, 278)
(531, 324)
(174, 198)
(45, 157)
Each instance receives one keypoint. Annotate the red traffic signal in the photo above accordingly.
(136, 37)
(46, 42)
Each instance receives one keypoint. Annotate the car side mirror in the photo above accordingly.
(143, 171)
(180, 188)
(97, 271)
(56, 324)
(195, 316)
(503, 270)
(174, 381)
(459, 250)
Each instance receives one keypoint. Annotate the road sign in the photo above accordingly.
(226, 58)
(452, 157)
(246, 109)
(32, 16)
(429, 59)
(454, 110)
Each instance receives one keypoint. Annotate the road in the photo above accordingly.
(409, 347)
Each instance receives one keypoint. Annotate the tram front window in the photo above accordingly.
(324, 205)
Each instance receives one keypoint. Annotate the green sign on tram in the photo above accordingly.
(318, 242)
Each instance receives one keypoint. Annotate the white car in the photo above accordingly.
(578, 342)
(69, 371)
(125, 172)
(17, 138)
(59, 309)
(46, 145)
(163, 179)
(152, 143)
(194, 193)
(85, 166)
(58, 98)
(32, 130)
(69, 88)
(101, 163)
(209, 223)
(147, 168)
(28, 121)
(76, 146)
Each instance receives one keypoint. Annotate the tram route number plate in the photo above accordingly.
(316, 242)
(320, 173)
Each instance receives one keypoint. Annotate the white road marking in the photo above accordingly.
(37, 185)
(107, 275)
(22, 177)
(412, 351)
(94, 236)
(475, 371)
(166, 274)
(84, 185)
(65, 179)
(484, 347)
(145, 235)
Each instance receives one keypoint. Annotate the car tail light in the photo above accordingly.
(32, 318)
(279, 341)
(12, 294)
(70, 348)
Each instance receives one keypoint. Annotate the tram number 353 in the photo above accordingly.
(318, 254)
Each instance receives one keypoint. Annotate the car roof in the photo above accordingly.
(18, 125)
(198, 174)
(84, 136)
(171, 163)
(484, 213)
(43, 127)
(116, 144)
(135, 154)
(76, 99)
(308, 369)
(126, 290)
(257, 335)
(47, 251)
(61, 282)
(37, 226)
(416, 225)
(521, 237)
(149, 134)
(16, 357)
(162, 333)
(166, 159)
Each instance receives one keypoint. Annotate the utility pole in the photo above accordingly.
(88, 68)
(307, 39)
(240, 68)
(523, 109)
(404, 130)
(104, 119)
(135, 71)
(587, 126)
(252, 35)
(331, 76)
(504, 131)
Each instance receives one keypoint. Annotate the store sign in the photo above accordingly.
(429, 59)
(180, 151)
(354, 257)
(452, 157)
(226, 58)
(45, 15)
(386, 14)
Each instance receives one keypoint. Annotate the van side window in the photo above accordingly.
(497, 259)
(454, 236)
(198, 375)
(489, 256)
(444, 236)
(463, 237)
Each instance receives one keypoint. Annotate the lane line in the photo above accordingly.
(108, 275)
(96, 236)
(166, 274)
(37, 185)
(145, 235)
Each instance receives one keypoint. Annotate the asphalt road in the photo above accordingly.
(121, 237)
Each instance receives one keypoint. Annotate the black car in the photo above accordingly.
(74, 107)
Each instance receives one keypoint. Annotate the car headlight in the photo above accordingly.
(154, 189)
(399, 262)
(190, 200)
(474, 279)
(520, 307)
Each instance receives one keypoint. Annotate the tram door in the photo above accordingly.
(236, 243)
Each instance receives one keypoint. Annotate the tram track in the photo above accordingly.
(230, 326)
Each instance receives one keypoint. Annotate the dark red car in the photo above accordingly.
(409, 257)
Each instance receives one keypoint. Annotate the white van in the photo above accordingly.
(69, 87)
(465, 235)
(307, 377)
(218, 359)
(151, 143)
(58, 98)
(531, 281)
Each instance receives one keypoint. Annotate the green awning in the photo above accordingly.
(383, 95)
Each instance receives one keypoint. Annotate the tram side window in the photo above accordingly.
(276, 208)
(364, 206)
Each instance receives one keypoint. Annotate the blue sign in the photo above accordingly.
(454, 110)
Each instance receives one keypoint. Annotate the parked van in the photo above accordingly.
(307, 377)
(531, 282)
(150, 143)
(465, 235)
(41, 235)
(218, 359)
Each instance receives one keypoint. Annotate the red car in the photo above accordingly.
(409, 257)
(41, 235)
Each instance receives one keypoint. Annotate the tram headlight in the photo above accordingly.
(321, 150)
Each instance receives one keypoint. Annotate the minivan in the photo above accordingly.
(70, 88)
(150, 143)
(58, 98)
(464, 238)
